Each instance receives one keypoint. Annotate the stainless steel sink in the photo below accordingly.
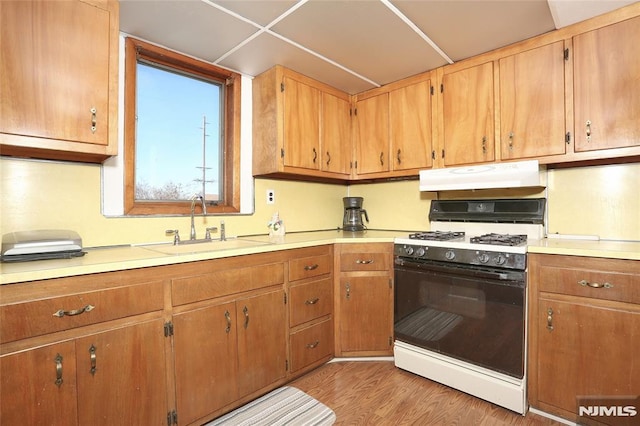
(207, 246)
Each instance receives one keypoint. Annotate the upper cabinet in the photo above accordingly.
(372, 135)
(59, 76)
(410, 129)
(300, 126)
(468, 115)
(532, 103)
(606, 85)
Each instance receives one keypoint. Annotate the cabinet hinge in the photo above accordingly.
(282, 87)
(355, 111)
(567, 138)
(566, 54)
(431, 90)
(168, 329)
(433, 154)
(442, 154)
(172, 418)
(441, 88)
(286, 365)
(356, 165)
(390, 283)
(285, 298)
(390, 341)
(281, 152)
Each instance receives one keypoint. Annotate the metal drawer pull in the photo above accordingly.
(92, 356)
(312, 301)
(311, 267)
(227, 315)
(62, 312)
(246, 317)
(364, 262)
(549, 319)
(313, 345)
(58, 360)
(94, 119)
(585, 283)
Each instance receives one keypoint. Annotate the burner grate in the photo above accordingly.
(437, 235)
(500, 239)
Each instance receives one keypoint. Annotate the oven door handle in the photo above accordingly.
(516, 278)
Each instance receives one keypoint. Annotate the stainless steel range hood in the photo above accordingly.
(517, 174)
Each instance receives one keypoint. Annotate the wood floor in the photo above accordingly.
(378, 393)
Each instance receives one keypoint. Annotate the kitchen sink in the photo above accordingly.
(202, 247)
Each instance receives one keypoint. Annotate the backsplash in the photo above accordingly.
(598, 200)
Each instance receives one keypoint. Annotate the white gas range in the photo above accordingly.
(460, 297)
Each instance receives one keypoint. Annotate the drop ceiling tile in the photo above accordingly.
(261, 12)
(192, 27)
(466, 28)
(267, 50)
(364, 36)
(569, 12)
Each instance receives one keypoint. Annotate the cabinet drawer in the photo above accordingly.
(310, 300)
(365, 261)
(307, 267)
(607, 279)
(311, 344)
(39, 317)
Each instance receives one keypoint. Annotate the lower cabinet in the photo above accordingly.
(584, 338)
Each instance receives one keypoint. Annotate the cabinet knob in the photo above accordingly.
(550, 319)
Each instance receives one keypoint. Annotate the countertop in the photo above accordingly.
(117, 258)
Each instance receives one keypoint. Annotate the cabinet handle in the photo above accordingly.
(510, 141)
(364, 262)
(484, 145)
(313, 345)
(585, 283)
(312, 301)
(311, 267)
(315, 155)
(58, 360)
(588, 124)
(94, 119)
(246, 316)
(382, 158)
(92, 357)
(328, 158)
(227, 316)
(550, 319)
(398, 157)
(71, 313)
(348, 287)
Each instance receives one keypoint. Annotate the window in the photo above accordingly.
(182, 133)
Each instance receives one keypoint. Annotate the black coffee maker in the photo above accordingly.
(353, 212)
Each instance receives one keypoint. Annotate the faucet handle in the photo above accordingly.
(176, 235)
(207, 236)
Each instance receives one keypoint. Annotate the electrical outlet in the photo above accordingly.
(271, 196)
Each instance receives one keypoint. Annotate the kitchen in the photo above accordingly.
(41, 195)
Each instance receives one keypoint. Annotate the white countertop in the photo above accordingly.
(130, 257)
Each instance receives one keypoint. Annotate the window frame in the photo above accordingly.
(136, 49)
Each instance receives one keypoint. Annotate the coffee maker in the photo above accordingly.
(353, 212)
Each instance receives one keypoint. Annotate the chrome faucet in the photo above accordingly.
(193, 207)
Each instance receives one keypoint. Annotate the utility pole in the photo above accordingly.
(204, 159)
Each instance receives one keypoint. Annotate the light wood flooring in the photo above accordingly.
(378, 393)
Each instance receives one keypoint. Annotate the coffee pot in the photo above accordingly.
(353, 213)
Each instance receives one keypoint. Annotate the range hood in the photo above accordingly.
(518, 174)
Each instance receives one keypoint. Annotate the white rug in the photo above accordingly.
(284, 406)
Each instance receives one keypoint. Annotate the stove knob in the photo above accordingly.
(483, 258)
(420, 251)
(450, 255)
(500, 259)
(408, 250)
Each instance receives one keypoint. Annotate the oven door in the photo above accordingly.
(473, 314)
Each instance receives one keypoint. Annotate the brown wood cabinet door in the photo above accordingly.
(372, 135)
(532, 109)
(410, 126)
(606, 89)
(29, 394)
(591, 351)
(54, 67)
(468, 109)
(366, 313)
(301, 125)
(206, 360)
(121, 376)
(262, 340)
(336, 143)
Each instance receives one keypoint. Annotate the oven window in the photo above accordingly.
(475, 319)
